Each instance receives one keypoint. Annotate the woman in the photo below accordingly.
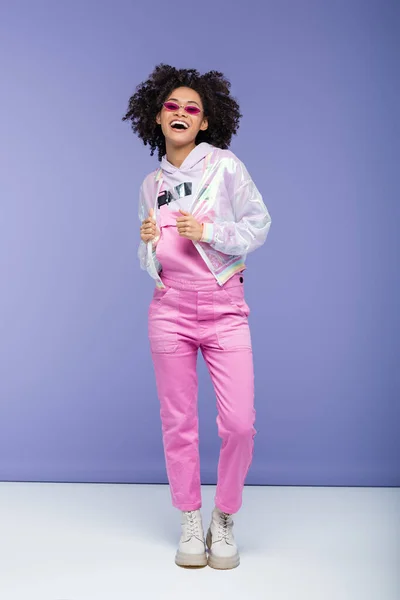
(200, 215)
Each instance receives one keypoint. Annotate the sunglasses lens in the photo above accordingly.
(171, 105)
(193, 110)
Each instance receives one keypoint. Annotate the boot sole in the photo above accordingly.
(221, 562)
(191, 560)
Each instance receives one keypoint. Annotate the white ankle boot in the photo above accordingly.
(192, 550)
(223, 552)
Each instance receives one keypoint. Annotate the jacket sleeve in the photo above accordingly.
(146, 251)
(252, 220)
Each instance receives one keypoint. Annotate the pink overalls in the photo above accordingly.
(195, 312)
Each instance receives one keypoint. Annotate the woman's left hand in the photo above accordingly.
(188, 227)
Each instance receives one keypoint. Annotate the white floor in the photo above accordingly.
(117, 542)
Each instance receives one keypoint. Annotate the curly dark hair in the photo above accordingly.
(221, 109)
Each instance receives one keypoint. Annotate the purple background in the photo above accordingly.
(318, 85)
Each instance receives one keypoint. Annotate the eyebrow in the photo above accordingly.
(188, 102)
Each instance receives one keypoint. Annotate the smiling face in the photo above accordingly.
(179, 127)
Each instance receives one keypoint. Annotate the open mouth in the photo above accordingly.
(179, 125)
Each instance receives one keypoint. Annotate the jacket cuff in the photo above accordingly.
(208, 233)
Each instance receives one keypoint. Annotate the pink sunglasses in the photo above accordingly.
(191, 110)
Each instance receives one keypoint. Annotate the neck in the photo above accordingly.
(176, 155)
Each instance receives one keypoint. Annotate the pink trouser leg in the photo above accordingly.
(232, 375)
(181, 321)
(176, 380)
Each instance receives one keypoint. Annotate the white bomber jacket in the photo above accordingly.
(236, 220)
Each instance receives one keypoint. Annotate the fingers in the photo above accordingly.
(148, 225)
(148, 230)
(189, 228)
(185, 224)
(150, 218)
(186, 231)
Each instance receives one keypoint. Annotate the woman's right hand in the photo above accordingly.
(149, 230)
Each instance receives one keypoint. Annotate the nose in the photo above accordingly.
(180, 111)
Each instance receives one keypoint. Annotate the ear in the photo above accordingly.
(158, 119)
(204, 125)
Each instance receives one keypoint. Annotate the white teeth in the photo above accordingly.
(181, 123)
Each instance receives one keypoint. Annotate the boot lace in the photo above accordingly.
(224, 529)
(192, 524)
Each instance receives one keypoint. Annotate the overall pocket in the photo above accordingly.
(163, 319)
(232, 324)
(235, 295)
(159, 296)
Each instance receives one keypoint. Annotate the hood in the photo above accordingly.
(193, 158)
